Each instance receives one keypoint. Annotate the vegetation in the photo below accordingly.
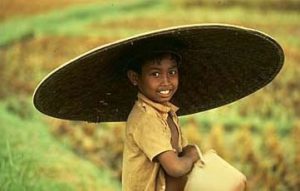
(258, 134)
(31, 159)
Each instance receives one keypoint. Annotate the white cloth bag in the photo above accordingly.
(212, 173)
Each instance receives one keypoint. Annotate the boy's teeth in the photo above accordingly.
(164, 92)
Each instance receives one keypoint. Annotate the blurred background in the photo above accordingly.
(260, 134)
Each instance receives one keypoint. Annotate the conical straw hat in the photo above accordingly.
(220, 64)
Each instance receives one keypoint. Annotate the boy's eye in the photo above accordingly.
(173, 72)
(155, 74)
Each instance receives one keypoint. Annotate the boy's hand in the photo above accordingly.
(191, 152)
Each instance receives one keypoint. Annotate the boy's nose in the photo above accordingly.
(165, 80)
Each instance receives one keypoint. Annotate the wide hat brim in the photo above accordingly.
(220, 64)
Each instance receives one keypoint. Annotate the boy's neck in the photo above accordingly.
(167, 107)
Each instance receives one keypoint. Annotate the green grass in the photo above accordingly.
(31, 159)
(231, 118)
(71, 21)
(95, 19)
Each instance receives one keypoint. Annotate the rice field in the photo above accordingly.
(259, 134)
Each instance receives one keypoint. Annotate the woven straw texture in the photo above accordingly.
(220, 64)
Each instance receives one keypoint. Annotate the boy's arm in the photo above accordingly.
(178, 165)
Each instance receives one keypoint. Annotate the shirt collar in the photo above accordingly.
(165, 109)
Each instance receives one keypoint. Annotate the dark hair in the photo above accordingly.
(137, 63)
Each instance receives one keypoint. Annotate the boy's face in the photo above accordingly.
(158, 81)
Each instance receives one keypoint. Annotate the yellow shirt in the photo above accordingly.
(147, 135)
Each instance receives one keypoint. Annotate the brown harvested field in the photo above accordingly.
(12, 8)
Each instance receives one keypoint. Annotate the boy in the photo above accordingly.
(156, 156)
(222, 64)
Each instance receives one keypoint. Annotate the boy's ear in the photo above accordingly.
(133, 77)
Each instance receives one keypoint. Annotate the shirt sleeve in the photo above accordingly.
(152, 136)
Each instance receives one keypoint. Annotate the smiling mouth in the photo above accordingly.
(165, 92)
